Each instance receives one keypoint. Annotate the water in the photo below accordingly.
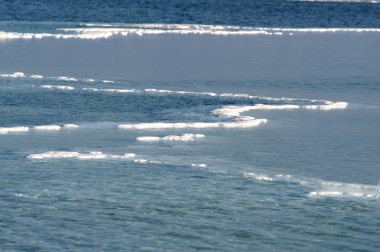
(306, 178)
(274, 13)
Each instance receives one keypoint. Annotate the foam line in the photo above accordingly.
(232, 112)
(275, 178)
(104, 32)
(36, 76)
(18, 129)
(193, 125)
(338, 189)
(91, 89)
(235, 111)
(93, 155)
(70, 126)
(145, 161)
(173, 138)
(97, 155)
(322, 188)
(60, 87)
(326, 105)
(59, 78)
(23, 129)
(155, 29)
(199, 165)
(47, 128)
(65, 78)
(14, 75)
(148, 139)
(230, 95)
(113, 90)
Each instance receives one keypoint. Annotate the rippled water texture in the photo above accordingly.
(161, 137)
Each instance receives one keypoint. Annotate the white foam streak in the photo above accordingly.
(232, 112)
(235, 111)
(148, 139)
(338, 189)
(227, 111)
(119, 90)
(275, 178)
(36, 76)
(193, 125)
(47, 128)
(65, 78)
(93, 155)
(18, 129)
(328, 106)
(104, 31)
(14, 75)
(145, 161)
(231, 95)
(60, 87)
(23, 129)
(199, 165)
(90, 89)
(183, 29)
(172, 138)
(59, 78)
(90, 156)
(322, 188)
(70, 126)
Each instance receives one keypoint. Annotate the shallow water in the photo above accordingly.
(305, 179)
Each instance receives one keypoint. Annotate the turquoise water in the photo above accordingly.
(305, 179)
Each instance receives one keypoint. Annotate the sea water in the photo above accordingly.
(229, 136)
